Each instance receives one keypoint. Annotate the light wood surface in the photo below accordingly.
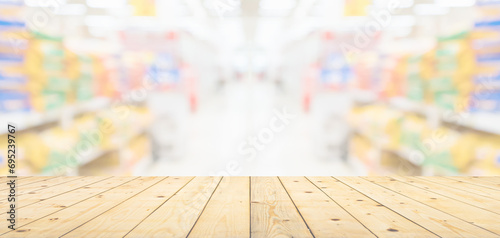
(255, 207)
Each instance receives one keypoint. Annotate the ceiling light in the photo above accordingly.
(106, 3)
(456, 3)
(277, 4)
(430, 9)
(72, 9)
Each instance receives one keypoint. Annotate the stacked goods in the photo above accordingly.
(138, 149)
(134, 65)
(477, 154)
(451, 86)
(110, 74)
(13, 94)
(82, 71)
(393, 133)
(335, 71)
(49, 84)
(164, 71)
(485, 41)
(411, 132)
(365, 77)
(486, 160)
(394, 164)
(415, 84)
(102, 167)
(123, 123)
(88, 136)
(363, 150)
(378, 122)
(436, 147)
(417, 71)
(392, 77)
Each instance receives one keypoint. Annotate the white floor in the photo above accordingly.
(217, 139)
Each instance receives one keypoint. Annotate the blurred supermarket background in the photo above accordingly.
(251, 87)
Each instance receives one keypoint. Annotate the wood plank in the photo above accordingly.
(461, 210)
(382, 221)
(65, 220)
(27, 181)
(457, 194)
(44, 184)
(272, 210)
(118, 221)
(495, 179)
(177, 216)
(227, 213)
(479, 182)
(483, 191)
(324, 217)
(434, 220)
(44, 208)
(4, 179)
(49, 192)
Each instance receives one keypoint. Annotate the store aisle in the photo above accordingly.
(250, 129)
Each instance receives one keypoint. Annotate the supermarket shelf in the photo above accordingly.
(98, 152)
(484, 122)
(363, 96)
(122, 143)
(413, 156)
(406, 105)
(24, 121)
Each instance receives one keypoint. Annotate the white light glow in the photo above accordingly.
(72, 9)
(106, 3)
(456, 3)
(101, 21)
(430, 9)
(277, 4)
(385, 3)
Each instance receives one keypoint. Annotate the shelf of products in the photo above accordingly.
(439, 150)
(436, 108)
(90, 136)
(75, 100)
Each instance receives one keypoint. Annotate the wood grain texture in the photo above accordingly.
(324, 217)
(42, 184)
(178, 215)
(483, 202)
(436, 221)
(65, 220)
(129, 206)
(468, 213)
(272, 211)
(379, 219)
(227, 214)
(479, 182)
(44, 208)
(36, 195)
(25, 180)
(111, 223)
(471, 188)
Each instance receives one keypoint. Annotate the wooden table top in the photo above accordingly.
(255, 206)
